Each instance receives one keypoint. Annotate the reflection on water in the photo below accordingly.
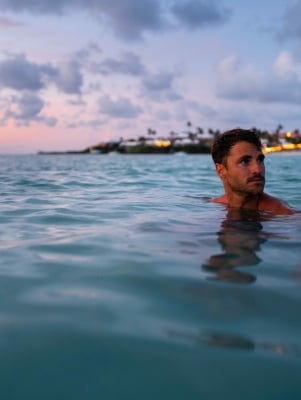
(240, 237)
(234, 341)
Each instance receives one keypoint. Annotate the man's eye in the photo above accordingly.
(244, 161)
(261, 159)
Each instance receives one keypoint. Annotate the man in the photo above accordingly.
(239, 162)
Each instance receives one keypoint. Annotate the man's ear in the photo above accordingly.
(220, 170)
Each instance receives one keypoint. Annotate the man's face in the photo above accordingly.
(243, 171)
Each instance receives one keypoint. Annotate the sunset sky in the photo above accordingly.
(77, 72)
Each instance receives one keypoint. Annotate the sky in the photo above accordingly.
(74, 73)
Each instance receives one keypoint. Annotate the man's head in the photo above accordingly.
(223, 143)
(239, 162)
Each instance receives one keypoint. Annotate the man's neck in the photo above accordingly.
(236, 200)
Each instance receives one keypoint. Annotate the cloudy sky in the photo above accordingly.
(77, 72)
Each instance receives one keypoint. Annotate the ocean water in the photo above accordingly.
(118, 280)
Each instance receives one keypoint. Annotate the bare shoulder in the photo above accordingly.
(221, 199)
(270, 203)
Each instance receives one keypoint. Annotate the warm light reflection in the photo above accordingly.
(283, 147)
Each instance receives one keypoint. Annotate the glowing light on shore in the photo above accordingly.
(283, 147)
(162, 143)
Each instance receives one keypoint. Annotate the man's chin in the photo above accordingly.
(256, 192)
(256, 186)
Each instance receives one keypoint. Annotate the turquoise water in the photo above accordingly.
(118, 280)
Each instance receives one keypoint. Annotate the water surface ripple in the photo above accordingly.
(119, 280)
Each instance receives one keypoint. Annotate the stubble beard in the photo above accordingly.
(244, 190)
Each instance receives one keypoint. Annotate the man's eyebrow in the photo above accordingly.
(245, 157)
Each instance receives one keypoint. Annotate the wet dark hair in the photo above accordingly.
(222, 143)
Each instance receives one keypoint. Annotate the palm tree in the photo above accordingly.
(151, 131)
(277, 132)
(279, 128)
(200, 130)
(192, 135)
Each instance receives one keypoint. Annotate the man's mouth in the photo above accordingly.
(257, 179)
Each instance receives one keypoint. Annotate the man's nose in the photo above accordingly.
(257, 167)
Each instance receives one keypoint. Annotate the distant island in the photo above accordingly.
(191, 142)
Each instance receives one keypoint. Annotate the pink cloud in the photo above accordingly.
(7, 23)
